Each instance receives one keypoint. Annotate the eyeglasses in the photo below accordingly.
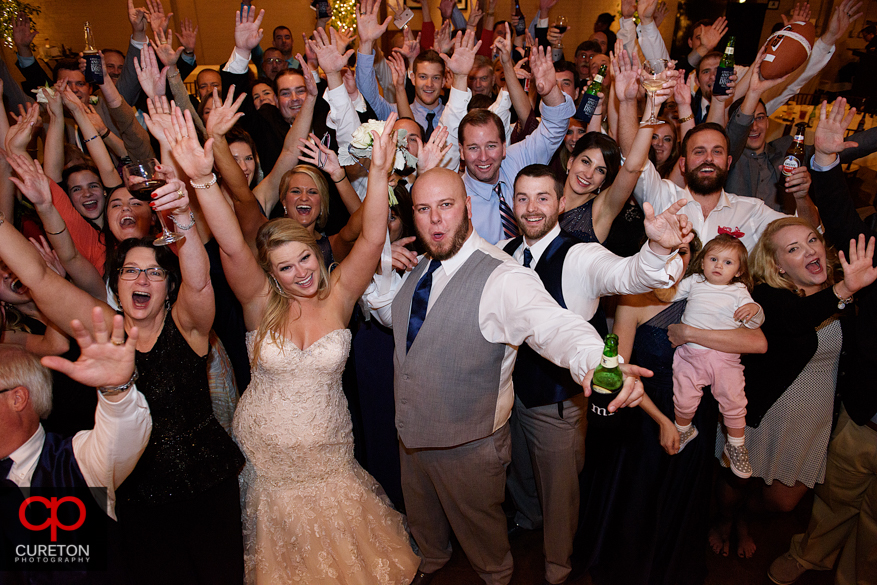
(7, 390)
(153, 273)
(273, 60)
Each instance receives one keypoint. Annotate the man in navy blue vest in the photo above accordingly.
(548, 418)
(102, 457)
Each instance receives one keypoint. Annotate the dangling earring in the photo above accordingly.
(284, 210)
(167, 304)
(598, 189)
(277, 287)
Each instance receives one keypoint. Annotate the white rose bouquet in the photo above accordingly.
(361, 144)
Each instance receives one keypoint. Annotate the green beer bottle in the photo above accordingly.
(725, 70)
(605, 385)
(590, 99)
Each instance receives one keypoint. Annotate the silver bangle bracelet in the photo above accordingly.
(186, 227)
(114, 390)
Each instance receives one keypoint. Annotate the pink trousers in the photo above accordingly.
(695, 368)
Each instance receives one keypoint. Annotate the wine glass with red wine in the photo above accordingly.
(562, 25)
(142, 179)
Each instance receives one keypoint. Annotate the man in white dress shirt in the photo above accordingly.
(548, 421)
(711, 210)
(459, 318)
(102, 457)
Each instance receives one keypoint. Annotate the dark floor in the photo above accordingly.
(771, 532)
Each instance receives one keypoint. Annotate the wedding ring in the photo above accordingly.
(179, 194)
(117, 342)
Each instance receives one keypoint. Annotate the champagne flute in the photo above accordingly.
(141, 179)
(651, 83)
(562, 25)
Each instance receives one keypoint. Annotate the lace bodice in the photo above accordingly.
(311, 513)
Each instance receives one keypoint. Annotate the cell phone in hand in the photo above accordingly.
(402, 18)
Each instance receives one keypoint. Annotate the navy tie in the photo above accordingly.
(5, 468)
(419, 303)
(506, 217)
(528, 257)
(429, 127)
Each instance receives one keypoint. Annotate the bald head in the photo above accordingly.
(442, 211)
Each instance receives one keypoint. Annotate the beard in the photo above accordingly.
(705, 185)
(447, 249)
(537, 232)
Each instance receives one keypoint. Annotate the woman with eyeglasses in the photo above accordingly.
(179, 510)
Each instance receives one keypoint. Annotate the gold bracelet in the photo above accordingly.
(687, 118)
(206, 185)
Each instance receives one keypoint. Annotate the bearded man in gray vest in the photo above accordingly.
(459, 318)
(547, 425)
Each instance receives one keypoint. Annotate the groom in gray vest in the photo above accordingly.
(459, 318)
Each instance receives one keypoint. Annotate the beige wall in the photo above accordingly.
(61, 22)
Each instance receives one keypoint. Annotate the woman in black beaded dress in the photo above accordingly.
(179, 510)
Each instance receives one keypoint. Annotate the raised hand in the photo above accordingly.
(32, 181)
(646, 9)
(829, 139)
(21, 133)
(55, 106)
(159, 118)
(431, 154)
(626, 76)
(398, 69)
(310, 84)
(842, 17)
(800, 13)
(106, 359)
(682, 90)
(225, 114)
(465, 49)
(502, 44)
(247, 34)
(323, 157)
(670, 229)
(475, 15)
(328, 57)
(49, 256)
(151, 79)
(542, 66)
(545, 6)
(22, 35)
(384, 147)
(196, 162)
(188, 35)
(628, 8)
(660, 15)
(858, 267)
(410, 46)
(443, 41)
(343, 38)
(164, 48)
(446, 8)
(757, 83)
(138, 17)
(157, 18)
(370, 29)
(711, 35)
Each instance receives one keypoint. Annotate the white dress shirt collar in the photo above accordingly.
(26, 458)
(538, 248)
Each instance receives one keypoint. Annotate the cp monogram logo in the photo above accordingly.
(52, 505)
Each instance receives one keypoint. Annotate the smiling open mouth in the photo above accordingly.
(306, 282)
(140, 299)
(814, 267)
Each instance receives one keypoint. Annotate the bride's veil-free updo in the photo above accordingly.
(271, 236)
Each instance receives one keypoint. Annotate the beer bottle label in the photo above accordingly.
(723, 78)
(790, 163)
(601, 390)
(587, 107)
(609, 362)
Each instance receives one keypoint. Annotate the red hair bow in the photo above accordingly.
(736, 233)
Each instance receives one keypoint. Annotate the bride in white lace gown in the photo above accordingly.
(312, 515)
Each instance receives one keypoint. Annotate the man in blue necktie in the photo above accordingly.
(459, 319)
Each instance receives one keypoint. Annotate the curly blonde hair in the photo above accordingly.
(271, 236)
(763, 258)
